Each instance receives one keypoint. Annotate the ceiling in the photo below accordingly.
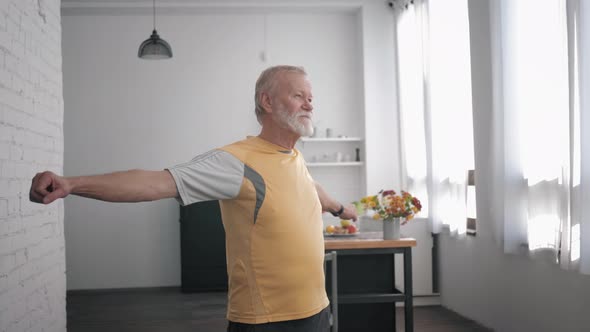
(179, 7)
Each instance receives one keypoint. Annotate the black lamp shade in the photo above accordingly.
(154, 48)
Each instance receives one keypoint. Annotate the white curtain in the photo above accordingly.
(540, 129)
(535, 114)
(411, 102)
(540, 108)
(436, 109)
(578, 246)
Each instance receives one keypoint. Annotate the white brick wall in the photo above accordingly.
(32, 256)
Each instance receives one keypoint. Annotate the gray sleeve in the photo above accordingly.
(213, 175)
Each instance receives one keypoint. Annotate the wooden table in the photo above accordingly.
(366, 281)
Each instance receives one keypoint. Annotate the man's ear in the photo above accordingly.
(266, 102)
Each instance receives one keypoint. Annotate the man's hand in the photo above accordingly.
(349, 213)
(47, 187)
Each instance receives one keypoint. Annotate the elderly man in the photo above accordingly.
(271, 208)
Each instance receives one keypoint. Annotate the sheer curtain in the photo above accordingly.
(435, 108)
(541, 113)
(411, 102)
(540, 128)
(535, 113)
(577, 249)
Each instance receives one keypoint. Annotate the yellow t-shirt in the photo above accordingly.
(272, 218)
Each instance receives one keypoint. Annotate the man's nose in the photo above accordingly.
(308, 106)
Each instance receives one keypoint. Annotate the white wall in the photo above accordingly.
(32, 257)
(503, 292)
(123, 112)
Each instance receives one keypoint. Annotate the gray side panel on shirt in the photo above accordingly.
(213, 175)
(259, 186)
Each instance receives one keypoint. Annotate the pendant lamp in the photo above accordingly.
(154, 48)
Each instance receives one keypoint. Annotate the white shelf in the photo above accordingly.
(335, 164)
(331, 139)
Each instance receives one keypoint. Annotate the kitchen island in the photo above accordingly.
(367, 292)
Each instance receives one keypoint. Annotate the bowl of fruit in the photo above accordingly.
(346, 228)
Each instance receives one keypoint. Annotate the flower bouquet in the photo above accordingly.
(387, 205)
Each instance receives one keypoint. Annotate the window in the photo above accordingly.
(536, 124)
(435, 108)
(471, 207)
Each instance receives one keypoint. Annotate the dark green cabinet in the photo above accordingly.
(366, 289)
(202, 247)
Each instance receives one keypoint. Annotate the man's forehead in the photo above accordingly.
(295, 80)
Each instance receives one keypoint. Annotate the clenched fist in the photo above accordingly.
(47, 187)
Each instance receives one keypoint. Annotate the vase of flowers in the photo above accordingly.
(394, 209)
(391, 228)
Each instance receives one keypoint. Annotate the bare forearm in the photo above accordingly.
(126, 186)
(333, 206)
(328, 203)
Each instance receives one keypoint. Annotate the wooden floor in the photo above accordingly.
(169, 310)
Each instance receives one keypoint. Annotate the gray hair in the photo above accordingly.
(267, 82)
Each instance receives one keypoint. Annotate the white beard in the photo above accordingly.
(292, 122)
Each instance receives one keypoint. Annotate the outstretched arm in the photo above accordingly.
(126, 186)
(331, 205)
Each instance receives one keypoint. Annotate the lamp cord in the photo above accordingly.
(154, 15)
